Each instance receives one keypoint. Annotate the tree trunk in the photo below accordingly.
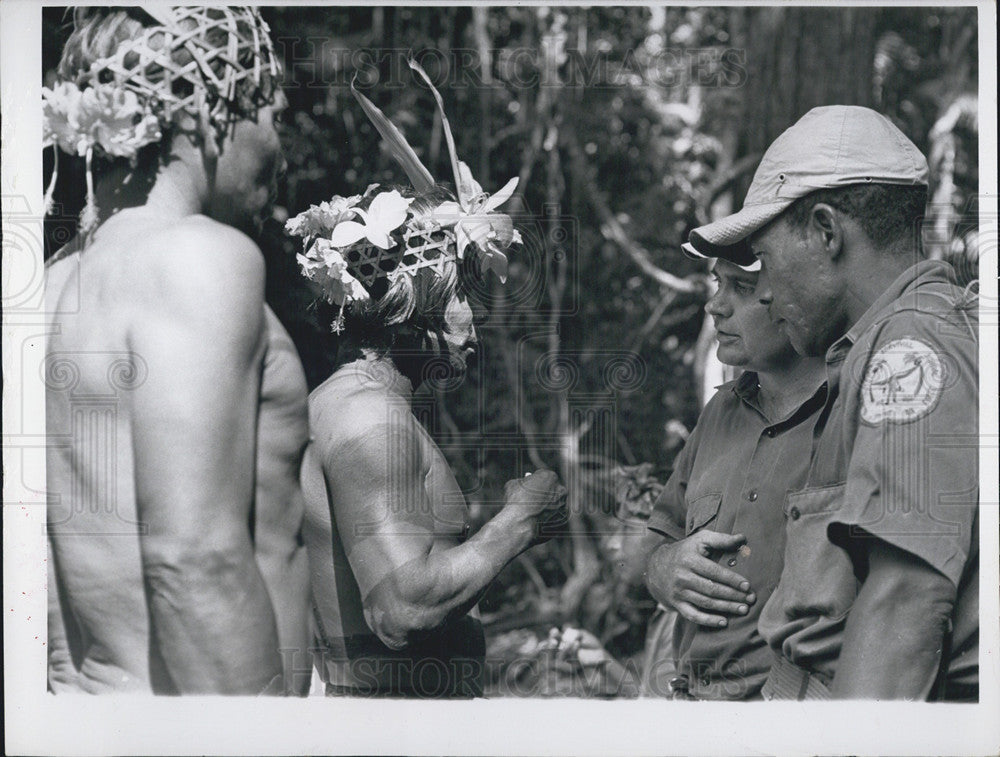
(797, 59)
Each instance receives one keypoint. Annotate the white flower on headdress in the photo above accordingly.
(117, 121)
(104, 115)
(325, 265)
(386, 213)
(476, 223)
(59, 108)
(322, 219)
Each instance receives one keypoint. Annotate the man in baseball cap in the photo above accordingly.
(878, 595)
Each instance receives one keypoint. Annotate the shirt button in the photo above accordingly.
(732, 562)
(752, 495)
(794, 512)
(770, 432)
(465, 530)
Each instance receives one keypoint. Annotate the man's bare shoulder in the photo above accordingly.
(346, 413)
(198, 257)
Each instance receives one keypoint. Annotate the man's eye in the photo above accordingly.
(744, 289)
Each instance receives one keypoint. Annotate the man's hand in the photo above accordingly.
(682, 575)
(578, 644)
(538, 499)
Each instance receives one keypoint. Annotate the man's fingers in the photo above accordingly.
(721, 541)
(539, 481)
(715, 572)
(713, 589)
(704, 602)
(692, 613)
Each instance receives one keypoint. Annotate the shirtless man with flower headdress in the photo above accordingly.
(395, 572)
(176, 403)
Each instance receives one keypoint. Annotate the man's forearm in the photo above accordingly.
(423, 594)
(656, 572)
(214, 627)
(895, 631)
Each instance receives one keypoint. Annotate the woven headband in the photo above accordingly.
(124, 101)
(188, 28)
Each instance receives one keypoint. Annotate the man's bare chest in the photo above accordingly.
(446, 499)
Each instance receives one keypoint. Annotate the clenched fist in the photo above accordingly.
(540, 499)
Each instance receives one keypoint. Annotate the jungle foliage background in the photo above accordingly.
(627, 127)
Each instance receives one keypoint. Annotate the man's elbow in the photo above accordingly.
(176, 569)
(398, 621)
(905, 586)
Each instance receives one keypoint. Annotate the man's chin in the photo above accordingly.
(730, 356)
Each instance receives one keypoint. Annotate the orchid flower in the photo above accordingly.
(473, 216)
(476, 223)
(386, 213)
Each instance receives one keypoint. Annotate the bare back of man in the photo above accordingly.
(161, 375)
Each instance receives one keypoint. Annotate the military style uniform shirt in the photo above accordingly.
(732, 476)
(896, 457)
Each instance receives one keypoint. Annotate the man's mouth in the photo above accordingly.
(725, 336)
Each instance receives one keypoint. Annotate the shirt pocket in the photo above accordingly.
(702, 511)
(818, 576)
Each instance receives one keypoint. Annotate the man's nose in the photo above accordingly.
(717, 306)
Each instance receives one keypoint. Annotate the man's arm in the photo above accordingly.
(193, 421)
(61, 670)
(912, 485)
(895, 631)
(386, 522)
(679, 571)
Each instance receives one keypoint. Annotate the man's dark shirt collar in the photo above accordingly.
(747, 387)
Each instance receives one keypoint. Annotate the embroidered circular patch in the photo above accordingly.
(903, 382)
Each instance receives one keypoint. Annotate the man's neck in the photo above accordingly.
(872, 272)
(378, 368)
(170, 192)
(785, 388)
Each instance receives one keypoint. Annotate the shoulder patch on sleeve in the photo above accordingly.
(903, 382)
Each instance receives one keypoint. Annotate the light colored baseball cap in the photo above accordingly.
(831, 146)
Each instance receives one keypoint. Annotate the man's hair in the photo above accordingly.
(889, 214)
(416, 301)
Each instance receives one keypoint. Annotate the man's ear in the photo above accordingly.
(825, 222)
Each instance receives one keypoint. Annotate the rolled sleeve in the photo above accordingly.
(913, 475)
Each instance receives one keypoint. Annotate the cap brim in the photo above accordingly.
(725, 238)
(752, 265)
